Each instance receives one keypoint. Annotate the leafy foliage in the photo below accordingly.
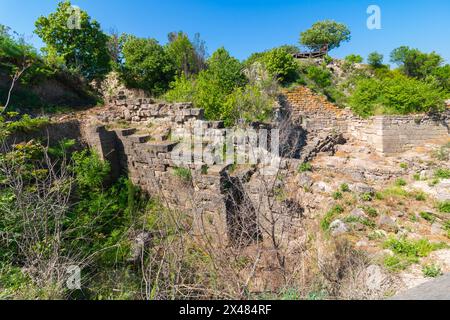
(281, 64)
(414, 63)
(147, 65)
(395, 95)
(375, 59)
(84, 50)
(323, 33)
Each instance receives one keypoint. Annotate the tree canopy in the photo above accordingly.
(325, 33)
(414, 63)
(84, 49)
(147, 65)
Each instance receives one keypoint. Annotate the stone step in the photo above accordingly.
(164, 147)
(126, 132)
(140, 138)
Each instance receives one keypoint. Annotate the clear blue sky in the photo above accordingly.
(246, 26)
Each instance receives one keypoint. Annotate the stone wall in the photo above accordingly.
(386, 134)
(396, 134)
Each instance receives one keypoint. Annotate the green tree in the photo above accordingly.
(354, 58)
(442, 75)
(281, 64)
(147, 65)
(82, 49)
(223, 75)
(326, 33)
(375, 59)
(414, 63)
(181, 50)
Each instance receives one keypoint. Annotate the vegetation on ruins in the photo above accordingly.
(59, 206)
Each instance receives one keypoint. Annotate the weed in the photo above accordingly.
(400, 182)
(337, 195)
(183, 173)
(416, 176)
(404, 166)
(305, 167)
(345, 187)
(372, 212)
(428, 216)
(442, 173)
(431, 271)
(329, 216)
(444, 207)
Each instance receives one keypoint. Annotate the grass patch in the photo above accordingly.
(407, 252)
(404, 166)
(428, 216)
(337, 195)
(184, 174)
(329, 217)
(444, 207)
(431, 271)
(400, 182)
(442, 173)
(372, 212)
(344, 187)
(305, 167)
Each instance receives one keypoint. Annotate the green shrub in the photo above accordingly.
(428, 216)
(367, 197)
(400, 182)
(329, 217)
(147, 65)
(444, 206)
(375, 60)
(281, 65)
(354, 58)
(442, 173)
(320, 76)
(337, 195)
(184, 174)
(345, 187)
(305, 167)
(181, 89)
(431, 271)
(372, 212)
(397, 94)
(404, 166)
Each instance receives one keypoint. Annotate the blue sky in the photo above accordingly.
(248, 26)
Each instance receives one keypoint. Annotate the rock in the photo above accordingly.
(399, 214)
(362, 188)
(138, 245)
(387, 223)
(338, 228)
(358, 213)
(305, 180)
(323, 187)
(437, 229)
(362, 244)
(375, 277)
(426, 174)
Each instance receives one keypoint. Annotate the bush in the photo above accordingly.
(444, 207)
(428, 216)
(329, 217)
(249, 104)
(319, 75)
(182, 89)
(375, 60)
(183, 173)
(305, 167)
(431, 271)
(85, 51)
(400, 182)
(442, 173)
(281, 65)
(223, 76)
(147, 65)
(395, 95)
(354, 58)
